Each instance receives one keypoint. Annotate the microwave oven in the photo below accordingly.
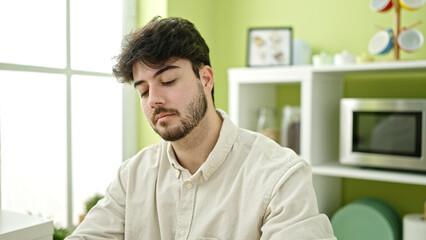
(383, 133)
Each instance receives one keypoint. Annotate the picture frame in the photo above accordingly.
(271, 46)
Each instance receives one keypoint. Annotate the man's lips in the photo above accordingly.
(162, 116)
(162, 113)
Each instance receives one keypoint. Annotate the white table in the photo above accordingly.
(17, 226)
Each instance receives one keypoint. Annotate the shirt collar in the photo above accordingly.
(228, 134)
(172, 159)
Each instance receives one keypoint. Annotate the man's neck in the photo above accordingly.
(193, 150)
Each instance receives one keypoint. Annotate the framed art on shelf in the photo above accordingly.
(269, 46)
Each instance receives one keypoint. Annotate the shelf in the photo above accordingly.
(290, 74)
(337, 170)
(373, 67)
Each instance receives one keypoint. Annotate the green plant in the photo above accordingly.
(91, 202)
(60, 233)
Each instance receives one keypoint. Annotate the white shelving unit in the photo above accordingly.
(321, 90)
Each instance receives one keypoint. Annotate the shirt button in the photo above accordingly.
(189, 185)
(182, 233)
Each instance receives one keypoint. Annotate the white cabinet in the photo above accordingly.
(321, 90)
(18, 226)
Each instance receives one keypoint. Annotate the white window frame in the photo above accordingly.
(129, 115)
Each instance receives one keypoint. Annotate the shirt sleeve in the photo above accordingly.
(292, 212)
(106, 219)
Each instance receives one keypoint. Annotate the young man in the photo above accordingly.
(207, 178)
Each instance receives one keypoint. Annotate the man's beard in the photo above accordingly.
(197, 110)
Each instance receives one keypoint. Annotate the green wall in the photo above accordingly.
(329, 25)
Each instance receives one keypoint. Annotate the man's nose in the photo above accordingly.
(155, 97)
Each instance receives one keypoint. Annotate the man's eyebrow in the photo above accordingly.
(157, 73)
(165, 69)
(135, 84)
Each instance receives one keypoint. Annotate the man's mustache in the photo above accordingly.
(163, 110)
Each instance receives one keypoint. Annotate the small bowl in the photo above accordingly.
(411, 4)
(381, 42)
(410, 40)
(380, 5)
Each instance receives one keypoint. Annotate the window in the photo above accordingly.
(61, 110)
(33, 143)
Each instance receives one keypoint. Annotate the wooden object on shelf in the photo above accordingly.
(396, 28)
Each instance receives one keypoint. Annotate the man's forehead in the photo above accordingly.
(158, 65)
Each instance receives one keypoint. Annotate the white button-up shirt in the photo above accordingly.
(249, 187)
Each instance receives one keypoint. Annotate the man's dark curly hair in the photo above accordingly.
(159, 41)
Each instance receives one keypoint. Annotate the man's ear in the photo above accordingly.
(207, 78)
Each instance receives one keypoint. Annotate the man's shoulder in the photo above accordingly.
(264, 153)
(264, 163)
(146, 156)
(262, 144)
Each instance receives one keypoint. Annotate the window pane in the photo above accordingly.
(96, 33)
(33, 32)
(33, 144)
(97, 136)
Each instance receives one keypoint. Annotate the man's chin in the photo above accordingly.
(169, 134)
(171, 137)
